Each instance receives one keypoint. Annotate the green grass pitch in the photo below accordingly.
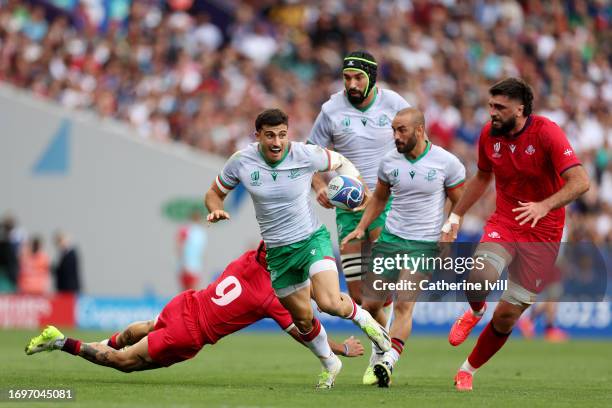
(271, 370)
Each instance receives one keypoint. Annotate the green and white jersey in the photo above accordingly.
(419, 191)
(362, 136)
(280, 191)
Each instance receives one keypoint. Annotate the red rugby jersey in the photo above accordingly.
(241, 296)
(527, 167)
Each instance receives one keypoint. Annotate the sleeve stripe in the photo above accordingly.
(329, 163)
(569, 167)
(457, 184)
(289, 328)
(223, 186)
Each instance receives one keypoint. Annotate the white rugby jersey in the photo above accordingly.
(280, 191)
(363, 137)
(419, 188)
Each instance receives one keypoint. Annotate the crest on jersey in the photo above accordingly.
(431, 175)
(383, 120)
(494, 235)
(530, 150)
(496, 149)
(255, 178)
(295, 173)
(395, 173)
(346, 122)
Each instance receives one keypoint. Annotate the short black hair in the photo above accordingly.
(271, 117)
(515, 88)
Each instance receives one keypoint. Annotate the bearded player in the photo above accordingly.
(357, 122)
(536, 174)
(241, 296)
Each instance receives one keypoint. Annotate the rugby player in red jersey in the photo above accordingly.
(536, 174)
(241, 296)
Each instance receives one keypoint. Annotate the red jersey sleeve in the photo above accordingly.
(562, 156)
(277, 312)
(484, 163)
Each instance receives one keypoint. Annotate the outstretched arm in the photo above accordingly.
(473, 190)
(351, 347)
(214, 203)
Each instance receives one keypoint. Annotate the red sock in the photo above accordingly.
(351, 316)
(397, 345)
(477, 306)
(489, 342)
(314, 332)
(72, 346)
(112, 342)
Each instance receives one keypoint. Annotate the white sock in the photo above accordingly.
(328, 362)
(391, 357)
(388, 310)
(59, 343)
(480, 312)
(360, 315)
(319, 345)
(467, 367)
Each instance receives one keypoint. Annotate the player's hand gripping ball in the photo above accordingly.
(345, 192)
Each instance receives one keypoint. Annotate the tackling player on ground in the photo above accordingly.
(357, 122)
(536, 175)
(420, 176)
(241, 296)
(278, 175)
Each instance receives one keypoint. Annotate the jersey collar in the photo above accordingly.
(427, 149)
(375, 90)
(520, 132)
(273, 164)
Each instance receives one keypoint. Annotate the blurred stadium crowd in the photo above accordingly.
(194, 78)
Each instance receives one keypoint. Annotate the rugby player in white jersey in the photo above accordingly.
(357, 123)
(278, 175)
(420, 176)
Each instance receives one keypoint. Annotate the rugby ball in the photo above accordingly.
(345, 192)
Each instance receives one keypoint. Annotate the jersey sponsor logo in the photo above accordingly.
(431, 175)
(346, 122)
(494, 235)
(512, 148)
(295, 173)
(313, 252)
(274, 175)
(530, 150)
(412, 173)
(395, 173)
(364, 121)
(255, 181)
(350, 63)
(383, 120)
(496, 149)
(568, 152)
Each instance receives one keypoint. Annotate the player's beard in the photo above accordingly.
(505, 128)
(356, 97)
(407, 147)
